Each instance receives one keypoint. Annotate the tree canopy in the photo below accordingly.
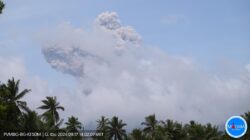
(15, 115)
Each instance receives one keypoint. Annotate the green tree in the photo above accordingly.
(51, 115)
(3, 107)
(150, 126)
(212, 132)
(1, 6)
(31, 122)
(246, 116)
(196, 131)
(11, 105)
(137, 134)
(102, 125)
(173, 130)
(73, 125)
(12, 95)
(4, 124)
(115, 129)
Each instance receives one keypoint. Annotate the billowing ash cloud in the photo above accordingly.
(75, 55)
(123, 34)
(127, 34)
(117, 78)
(108, 20)
(70, 60)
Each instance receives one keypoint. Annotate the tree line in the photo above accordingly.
(16, 116)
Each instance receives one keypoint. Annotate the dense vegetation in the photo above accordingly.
(16, 116)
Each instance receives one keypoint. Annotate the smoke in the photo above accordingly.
(123, 34)
(118, 75)
(108, 20)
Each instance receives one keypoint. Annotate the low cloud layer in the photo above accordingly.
(118, 75)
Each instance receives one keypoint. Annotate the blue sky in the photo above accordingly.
(208, 31)
(213, 34)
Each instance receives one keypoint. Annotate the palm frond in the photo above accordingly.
(43, 107)
(22, 94)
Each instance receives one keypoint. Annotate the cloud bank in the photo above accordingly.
(118, 75)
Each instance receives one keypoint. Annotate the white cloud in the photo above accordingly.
(248, 67)
(15, 67)
(133, 82)
(11, 67)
